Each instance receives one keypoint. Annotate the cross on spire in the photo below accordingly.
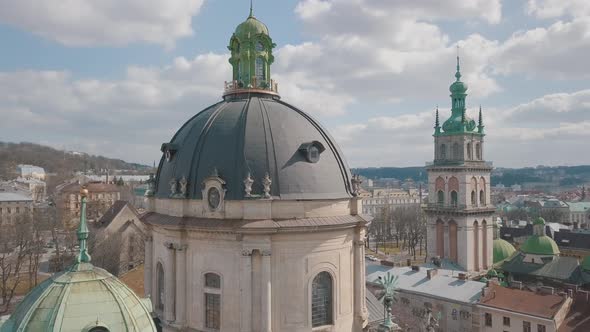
(458, 73)
(251, 9)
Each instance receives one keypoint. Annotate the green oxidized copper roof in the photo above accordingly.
(586, 263)
(539, 221)
(502, 250)
(492, 273)
(540, 245)
(251, 27)
(459, 122)
(81, 298)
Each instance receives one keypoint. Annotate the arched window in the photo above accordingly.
(239, 70)
(477, 151)
(454, 198)
(456, 152)
(441, 197)
(260, 72)
(473, 199)
(160, 287)
(443, 151)
(469, 152)
(212, 301)
(98, 329)
(453, 240)
(321, 300)
(259, 47)
(482, 198)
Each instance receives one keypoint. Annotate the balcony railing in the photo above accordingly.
(447, 162)
(455, 207)
(254, 86)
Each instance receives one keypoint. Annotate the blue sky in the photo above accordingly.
(118, 77)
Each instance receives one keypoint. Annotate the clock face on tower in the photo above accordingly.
(213, 198)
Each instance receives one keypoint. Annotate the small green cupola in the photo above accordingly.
(251, 57)
(458, 122)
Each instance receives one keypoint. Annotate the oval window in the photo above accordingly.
(213, 198)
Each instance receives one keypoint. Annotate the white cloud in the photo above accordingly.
(558, 51)
(127, 118)
(104, 22)
(550, 130)
(558, 8)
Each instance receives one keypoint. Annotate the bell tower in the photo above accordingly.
(459, 211)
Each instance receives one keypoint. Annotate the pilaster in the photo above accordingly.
(169, 284)
(266, 291)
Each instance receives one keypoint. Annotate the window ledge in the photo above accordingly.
(323, 328)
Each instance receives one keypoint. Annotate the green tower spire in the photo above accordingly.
(480, 125)
(251, 56)
(436, 123)
(458, 73)
(83, 256)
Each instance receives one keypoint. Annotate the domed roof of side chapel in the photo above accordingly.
(82, 298)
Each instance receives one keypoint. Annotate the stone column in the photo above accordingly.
(148, 270)
(246, 291)
(180, 284)
(360, 307)
(169, 283)
(266, 292)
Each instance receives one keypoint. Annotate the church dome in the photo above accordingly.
(458, 87)
(455, 123)
(540, 245)
(254, 134)
(502, 250)
(81, 299)
(252, 27)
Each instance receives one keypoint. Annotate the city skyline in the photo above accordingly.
(129, 74)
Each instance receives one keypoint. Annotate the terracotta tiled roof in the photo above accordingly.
(524, 302)
(134, 280)
(111, 213)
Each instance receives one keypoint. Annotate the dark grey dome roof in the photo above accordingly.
(255, 134)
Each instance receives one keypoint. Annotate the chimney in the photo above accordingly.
(462, 276)
(415, 268)
(431, 273)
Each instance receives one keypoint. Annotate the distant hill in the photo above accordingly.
(565, 176)
(60, 163)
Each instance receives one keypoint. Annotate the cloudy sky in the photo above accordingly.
(118, 77)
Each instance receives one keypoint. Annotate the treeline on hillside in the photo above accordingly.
(55, 161)
(567, 175)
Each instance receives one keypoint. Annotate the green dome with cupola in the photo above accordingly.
(251, 57)
(539, 243)
(459, 122)
(251, 27)
(83, 298)
(502, 250)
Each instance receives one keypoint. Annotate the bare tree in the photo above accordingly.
(17, 240)
(105, 250)
(415, 228)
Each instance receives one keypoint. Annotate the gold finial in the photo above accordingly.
(84, 192)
